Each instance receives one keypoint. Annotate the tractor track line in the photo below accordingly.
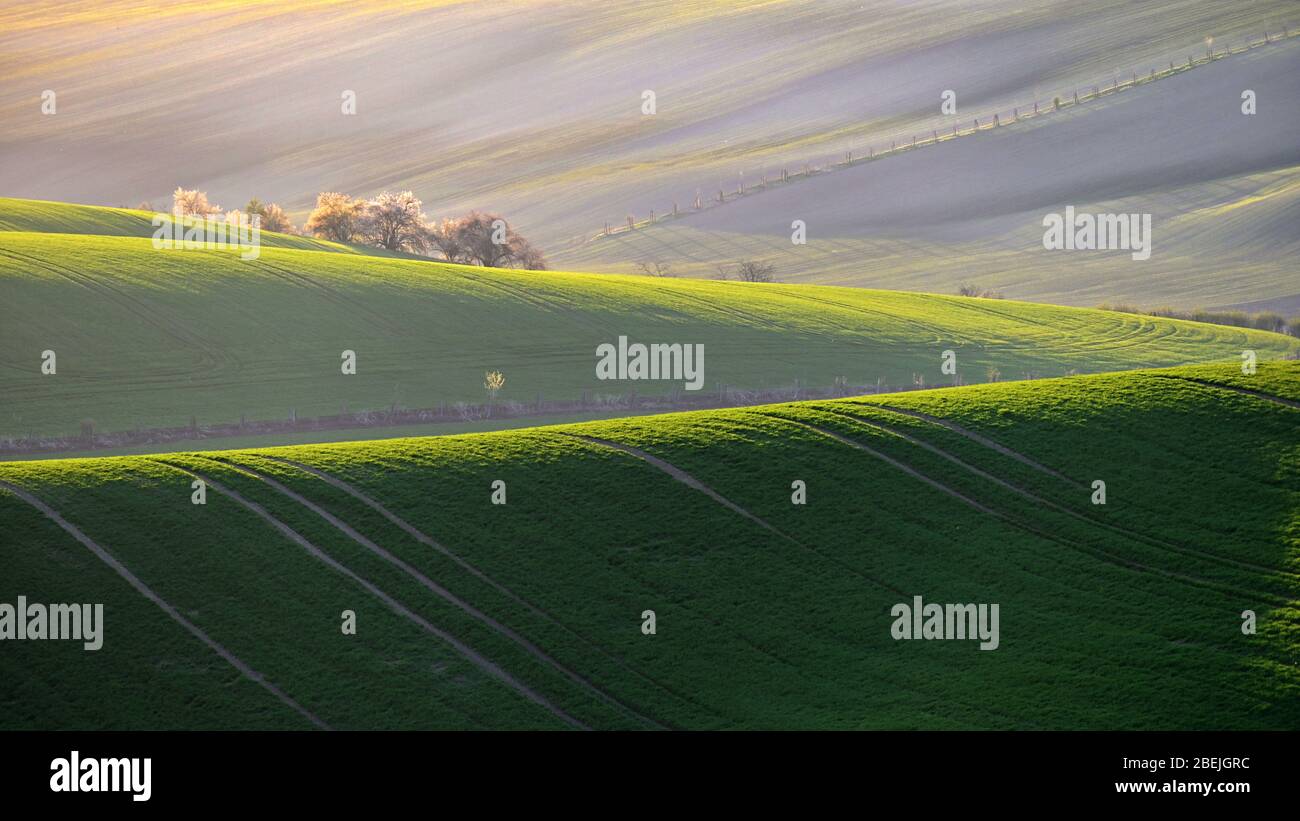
(332, 295)
(689, 480)
(477, 659)
(632, 451)
(1267, 397)
(440, 591)
(1131, 534)
(975, 437)
(113, 293)
(144, 590)
(1111, 558)
(428, 541)
(695, 484)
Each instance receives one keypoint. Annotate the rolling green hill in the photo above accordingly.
(768, 613)
(147, 338)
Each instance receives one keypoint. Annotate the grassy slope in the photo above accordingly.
(1122, 616)
(152, 338)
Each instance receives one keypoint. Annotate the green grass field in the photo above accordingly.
(149, 338)
(769, 614)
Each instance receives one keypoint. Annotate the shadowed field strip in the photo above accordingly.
(483, 663)
(440, 591)
(144, 590)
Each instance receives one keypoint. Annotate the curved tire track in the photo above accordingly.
(474, 657)
(695, 484)
(1152, 541)
(144, 590)
(441, 592)
(1098, 553)
(975, 437)
(690, 481)
(1267, 397)
(428, 541)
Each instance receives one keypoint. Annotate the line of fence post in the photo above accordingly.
(698, 203)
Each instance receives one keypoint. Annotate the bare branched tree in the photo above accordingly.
(751, 270)
(967, 289)
(484, 239)
(656, 269)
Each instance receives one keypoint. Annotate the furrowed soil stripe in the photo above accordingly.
(1096, 552)
(983, 440)
(429, 541)
(1131, 534)
(695, 484)
(480, 661)
(144, 590)
(440, 591)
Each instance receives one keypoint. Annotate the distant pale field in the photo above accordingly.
(1223, 190)
(529, 108)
